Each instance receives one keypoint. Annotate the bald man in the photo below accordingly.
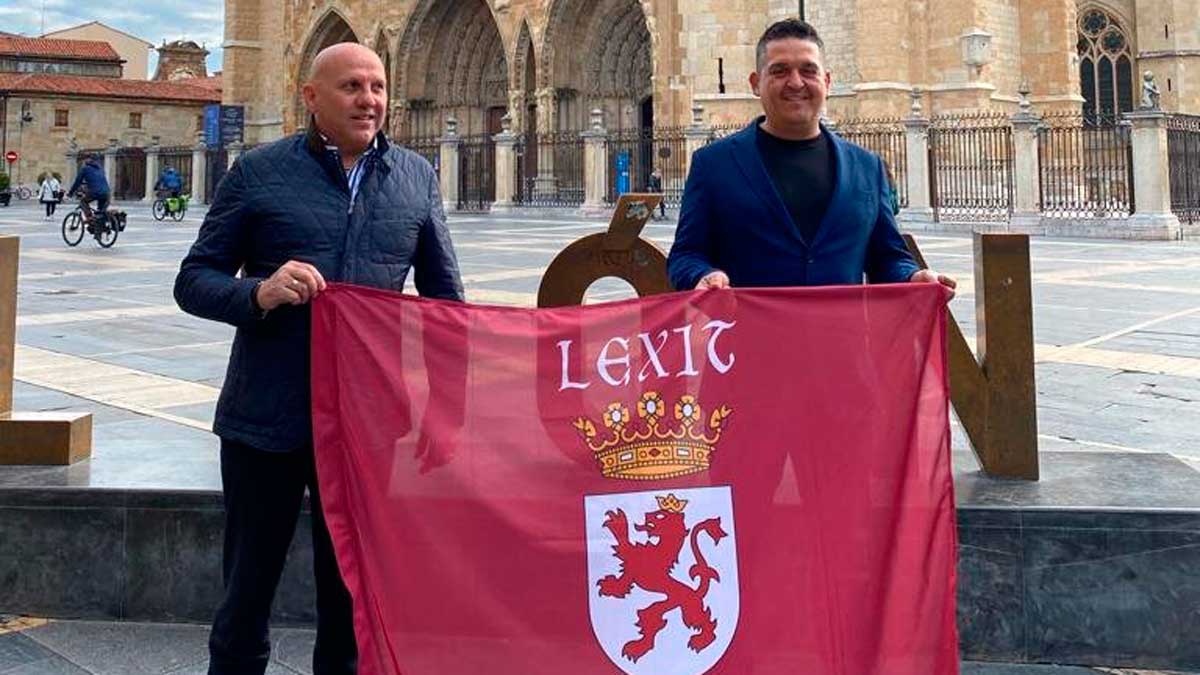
(337, 202)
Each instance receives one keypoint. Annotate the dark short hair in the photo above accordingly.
(782, 30)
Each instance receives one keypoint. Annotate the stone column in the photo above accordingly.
(1027, 213)
(152, 152)
(1152, 217)
(110, 163)
(72, 156)
(595, 166)
(506, 165)
(449, 168)
(199, 169)
(232, 153)
(919, 212)
(695, 136)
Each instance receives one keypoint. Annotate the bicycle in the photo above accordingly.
(83, 219)
(175, 207)
(22, 192)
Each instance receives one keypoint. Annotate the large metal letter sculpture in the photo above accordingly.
(995, 397)
(620, 253)
(31, 438)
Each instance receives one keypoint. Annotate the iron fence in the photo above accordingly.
(178, 157)
(884, 137)
(634, 154)
(1085, 166)
(216, 163)
(720, 131)
(1183, 151)
(429, 147)
(476, 173)
(971, 167)
(129, 174)
(550, 169)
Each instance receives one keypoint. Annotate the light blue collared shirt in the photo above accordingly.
(355, 174)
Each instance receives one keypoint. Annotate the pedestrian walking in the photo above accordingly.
(49, 193)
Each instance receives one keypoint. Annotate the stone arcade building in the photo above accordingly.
(61, 99)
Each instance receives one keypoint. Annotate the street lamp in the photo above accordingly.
(26, 118)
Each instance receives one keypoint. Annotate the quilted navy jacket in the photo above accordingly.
(290, 201)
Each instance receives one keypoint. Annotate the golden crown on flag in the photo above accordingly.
(664, 445)
(671, 503)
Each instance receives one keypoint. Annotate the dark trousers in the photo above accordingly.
(263, 496)
(101, 210)
(50, 206)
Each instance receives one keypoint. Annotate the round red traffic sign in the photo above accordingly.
(11, 156)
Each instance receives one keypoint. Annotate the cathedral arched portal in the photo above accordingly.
(451, 63)
(597, 54)
(329, 30)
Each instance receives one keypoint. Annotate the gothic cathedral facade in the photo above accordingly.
(549, 63)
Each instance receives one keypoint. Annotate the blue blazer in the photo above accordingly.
(734, 220)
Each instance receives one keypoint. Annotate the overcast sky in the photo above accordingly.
(198, 20)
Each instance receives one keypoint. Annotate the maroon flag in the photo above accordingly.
(725, 482)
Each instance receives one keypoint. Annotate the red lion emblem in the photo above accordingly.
(649, 567)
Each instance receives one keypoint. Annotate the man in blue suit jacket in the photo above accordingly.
(786, 202)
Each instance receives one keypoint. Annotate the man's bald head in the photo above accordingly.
(346, 93)
(333, 57)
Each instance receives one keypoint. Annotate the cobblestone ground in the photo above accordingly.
(1117, 326)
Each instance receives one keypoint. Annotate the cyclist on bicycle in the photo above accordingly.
(169, 184)
(91, 175)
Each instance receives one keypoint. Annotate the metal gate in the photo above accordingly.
(550, 169)
(179, 158)
(1183, 151)
(216, 161)
(130, 174)
(1086, 166)
(428, 147)
(476, 173)
(633, 154)
(971, 167)
(884, 137)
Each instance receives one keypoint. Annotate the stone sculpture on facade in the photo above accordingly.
(1150, 93)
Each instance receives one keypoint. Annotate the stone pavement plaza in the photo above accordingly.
(1117, 326)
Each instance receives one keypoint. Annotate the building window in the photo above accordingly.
(62, 118)
(135, 120)
(199, 122)
(1105, 67)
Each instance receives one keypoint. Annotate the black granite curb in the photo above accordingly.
(1050, 581)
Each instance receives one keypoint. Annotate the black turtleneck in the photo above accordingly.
(803, 174)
